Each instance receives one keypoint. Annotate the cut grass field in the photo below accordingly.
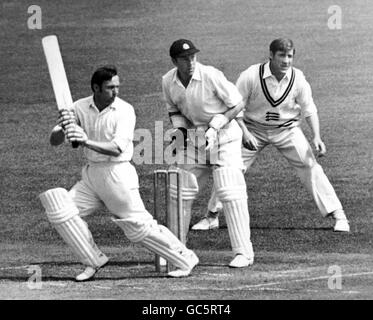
(131, 276)
(294, 245)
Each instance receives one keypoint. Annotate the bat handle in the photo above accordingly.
(75, 144)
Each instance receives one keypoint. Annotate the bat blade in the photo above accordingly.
(57, 73)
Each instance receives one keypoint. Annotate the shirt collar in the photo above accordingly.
(197, 74)
(112, 106)
(267, 72)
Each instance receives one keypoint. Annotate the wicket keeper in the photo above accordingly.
(200, 99)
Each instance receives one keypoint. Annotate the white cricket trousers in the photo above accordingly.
(294, 146)
(115, 185)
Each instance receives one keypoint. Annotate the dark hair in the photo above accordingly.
(103, 74)
(281, 44)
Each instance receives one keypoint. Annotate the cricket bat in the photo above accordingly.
(57, 74)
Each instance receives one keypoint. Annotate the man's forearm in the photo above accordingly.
(107, 148)
(241, 123)
(220, 120)
(233, 112)
(314, 124)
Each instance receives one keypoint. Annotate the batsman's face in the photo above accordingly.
(186, 65)
(109, 90)
(281, 61)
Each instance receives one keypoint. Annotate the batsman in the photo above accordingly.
(202, 104)
(103, 124)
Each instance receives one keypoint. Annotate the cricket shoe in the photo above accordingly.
(240, 261)
(193, 261)
(341, 222)
(341, 225)
(207, 223)
(89, 272)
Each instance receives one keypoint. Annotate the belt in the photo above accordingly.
(286, 124)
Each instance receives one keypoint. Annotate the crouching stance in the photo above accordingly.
(202, 104)
(277, 97)
(103, 124)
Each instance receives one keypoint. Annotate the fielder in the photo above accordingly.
(103, 124)
(276, 96)
(202, 103)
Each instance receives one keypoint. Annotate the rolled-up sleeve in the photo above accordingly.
(304, 98)
(124, 130)
(245, 83)
(225, 89)
(177, 119)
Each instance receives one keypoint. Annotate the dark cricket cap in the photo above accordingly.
(182, 48)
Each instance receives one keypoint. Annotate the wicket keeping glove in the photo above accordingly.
(174, 139)
(211, 137)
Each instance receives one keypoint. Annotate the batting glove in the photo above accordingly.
(218, 121)
(176, 139)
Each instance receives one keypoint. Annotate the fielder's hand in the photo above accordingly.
(249, 141)
(65, 118)
(211, 137)
(73, 133)
(319, 147)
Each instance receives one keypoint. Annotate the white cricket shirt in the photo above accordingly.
(116, 123)
(207, 94)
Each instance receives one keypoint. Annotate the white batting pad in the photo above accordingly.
(229, 184)
(76, 234)
(189, 184)
(63, 215)
(162, 242)
(231, 189)
(58, 205)
(158, 239)
(176, 243)
(238, 223)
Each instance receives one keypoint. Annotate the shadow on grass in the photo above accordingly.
(51, 265)
(72, 279)
(293, 228)
(100, 276)
(110, 263)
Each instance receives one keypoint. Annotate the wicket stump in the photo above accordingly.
(175, 224)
